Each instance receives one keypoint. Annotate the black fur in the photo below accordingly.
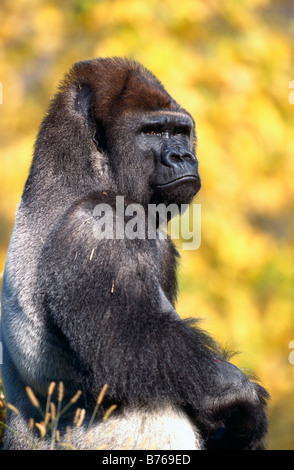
(108, 305)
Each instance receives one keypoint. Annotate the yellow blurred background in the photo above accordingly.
(230, 63)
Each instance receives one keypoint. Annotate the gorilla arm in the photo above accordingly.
(105, 298)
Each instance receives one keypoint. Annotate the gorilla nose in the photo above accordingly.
(174, 156)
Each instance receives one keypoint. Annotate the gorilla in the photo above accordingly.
(98, 312)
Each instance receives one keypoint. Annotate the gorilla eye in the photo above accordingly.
(184, 130)
(151, 130)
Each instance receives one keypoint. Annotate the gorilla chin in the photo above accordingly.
(179, 191)
(194, 180)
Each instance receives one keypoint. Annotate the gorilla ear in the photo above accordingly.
(84, 106)
(84, 101)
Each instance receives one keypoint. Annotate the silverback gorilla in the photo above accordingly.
(89, 311)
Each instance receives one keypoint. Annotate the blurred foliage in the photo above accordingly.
(230, 64)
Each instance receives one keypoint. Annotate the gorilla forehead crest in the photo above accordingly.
(119, 84)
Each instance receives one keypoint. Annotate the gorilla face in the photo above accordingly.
(169, 137)
(155, 160)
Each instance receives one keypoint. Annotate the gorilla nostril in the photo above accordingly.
(174, 156)
(188, 156)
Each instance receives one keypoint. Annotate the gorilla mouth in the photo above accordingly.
(181, 179)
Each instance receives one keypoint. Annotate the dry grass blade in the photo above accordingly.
(77, 415)
(109, 411)
(35, 402)
(53, 411)
(47, 418)
(42, 429)
(67, 445)
(102, 394)
(51, 389)
(98, 403)
(60, 391)
(81, 418)
(75, 398)
(13, 408)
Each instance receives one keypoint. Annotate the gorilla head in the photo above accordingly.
(148, 138)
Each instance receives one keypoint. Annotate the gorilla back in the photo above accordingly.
(86, 310)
